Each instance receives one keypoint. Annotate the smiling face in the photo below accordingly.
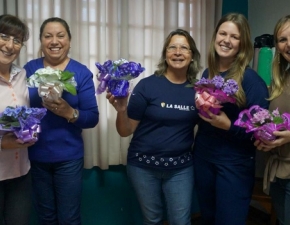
(9, 51)
(178, 54)
(227, 41)
(55, 42)
(283, 41)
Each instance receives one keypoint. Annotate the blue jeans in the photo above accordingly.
(280, 193)
(224, 191)
(175, 186)
(57, 191)
(15, 200)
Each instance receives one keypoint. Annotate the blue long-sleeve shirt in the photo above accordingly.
(230, 146)
(59, 140)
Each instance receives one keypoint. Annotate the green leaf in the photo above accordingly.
(66, 75)
(70, 88)
(277, 120)
(15, 124)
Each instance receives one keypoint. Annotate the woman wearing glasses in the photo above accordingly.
(14, 164)
(161, 115)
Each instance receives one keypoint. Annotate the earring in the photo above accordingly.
(279, 58)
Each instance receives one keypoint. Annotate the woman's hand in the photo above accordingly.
(59, 107)
(220, 121)
(283, 137)
(10, 141)
(120, 104)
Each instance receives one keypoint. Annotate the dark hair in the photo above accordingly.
(193, 67)
(53, 20)
(12, 25)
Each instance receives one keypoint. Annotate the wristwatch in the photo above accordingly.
(74, 116)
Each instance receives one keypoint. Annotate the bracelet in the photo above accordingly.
(74, 116)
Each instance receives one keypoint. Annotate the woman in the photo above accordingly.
(277, 172)
(224, 154)
(14, 164)
(57, 157)
(161, 116)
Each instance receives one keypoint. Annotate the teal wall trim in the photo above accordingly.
(109, 199)
(240, 6)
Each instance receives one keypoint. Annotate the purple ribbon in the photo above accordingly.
(28, 134)
(104, 80)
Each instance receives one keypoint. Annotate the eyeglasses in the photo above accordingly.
(174, 48)
(5, 38)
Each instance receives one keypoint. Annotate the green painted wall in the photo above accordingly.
(108, 198)
(240, 6)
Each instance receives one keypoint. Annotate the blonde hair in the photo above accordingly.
(279, 64)
(242, 59)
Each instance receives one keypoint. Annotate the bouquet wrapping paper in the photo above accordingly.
(23, 121)
(211, 93)
(263, 122)
(51, 82)
(115, 76)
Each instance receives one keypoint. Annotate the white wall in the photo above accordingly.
(262, 16)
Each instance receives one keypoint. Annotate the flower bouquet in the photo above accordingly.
(23, 121)
(115, 76)
(263, 122)
(211, 93)
(51, 82)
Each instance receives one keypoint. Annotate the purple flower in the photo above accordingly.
(218, 82)
(20, 116)
(263, 122)
(230, 87)
(117, 70)
(261, 117)
(276, 112)
(202, 81)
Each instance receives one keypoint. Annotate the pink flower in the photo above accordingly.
(263, 122)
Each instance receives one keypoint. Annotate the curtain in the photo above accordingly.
(114, 29)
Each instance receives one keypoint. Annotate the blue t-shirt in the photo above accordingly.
(233, 145)
(59, 140)
(167, 115)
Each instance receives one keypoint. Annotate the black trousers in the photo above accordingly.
(15, 201)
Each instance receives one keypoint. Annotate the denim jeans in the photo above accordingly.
(15, 200)
(280, 193)
(57, 191)
(176, 186)
(224, 191)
